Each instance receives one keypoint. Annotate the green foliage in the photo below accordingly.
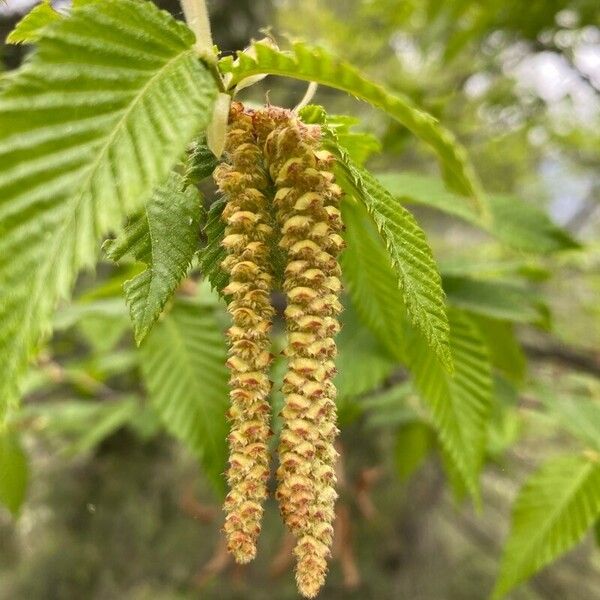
(370, 279)
(414, 441)
(518, 224)
(80, 425)
(14, 471)
(212, 253)
(164, 237)
(460, 403)
(183, 367)
(358, 145)
(410, 256)
(578, 414)
(553, 511)
(498, 299)
(363, 364)
(200, 163)
(29, 28)
(506, 354)
(315, 64)
(88, 127)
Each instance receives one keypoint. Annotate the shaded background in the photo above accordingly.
(519, 83)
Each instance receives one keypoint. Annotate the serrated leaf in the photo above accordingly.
(315, 64)
(29, 28)
(410, 256)
(88, 127)
(201, 162)
(518, 224)
(554, 510)
(183, 367)
(370, 279)
(460, 403)
(14, 471)
(164, 237)
(212, 253)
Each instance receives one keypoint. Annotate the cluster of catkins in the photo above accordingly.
(280, 191)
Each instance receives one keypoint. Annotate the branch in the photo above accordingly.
(589, 362)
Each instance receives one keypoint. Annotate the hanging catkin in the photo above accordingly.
(245, 184)
(306, 203)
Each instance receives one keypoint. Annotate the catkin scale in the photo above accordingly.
(306, 203)
(249, 230)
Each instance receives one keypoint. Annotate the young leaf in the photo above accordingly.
(29, 28)
(552, 513)
(88, 128)
(359, 145)
(460, 404)
(315, 64)
(213, 254)
(164, 237)
(410, 256)
(183, 367)
(14, 472)
(518, 224)
(200, 163)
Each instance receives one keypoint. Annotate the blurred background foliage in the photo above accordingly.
(108, 505)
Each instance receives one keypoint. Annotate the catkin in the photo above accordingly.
(244, 182)
(306, 202)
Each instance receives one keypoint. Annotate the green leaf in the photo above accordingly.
(164, 237)
(80, 425)
(29, 28)
(413, 443)
(580, 415)
(503, 346)
(410, 256)
(183, 367)
(503, 300)
(88, 128)
(362, 362)
(552, 513)
(460, 403)
(315, 64)
(213, 254)
(370, 279)
(518, 224)
(14, 472)
(359, 145)
(201, 162)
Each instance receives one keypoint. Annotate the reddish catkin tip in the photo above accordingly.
(244, 182)
(306, 203)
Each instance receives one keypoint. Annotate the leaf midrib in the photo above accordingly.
(75, 201)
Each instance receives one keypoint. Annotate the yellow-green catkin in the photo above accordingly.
(245, 184)
(306, 202)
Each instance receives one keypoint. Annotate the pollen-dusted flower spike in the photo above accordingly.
(306, 202)
(244, 182)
